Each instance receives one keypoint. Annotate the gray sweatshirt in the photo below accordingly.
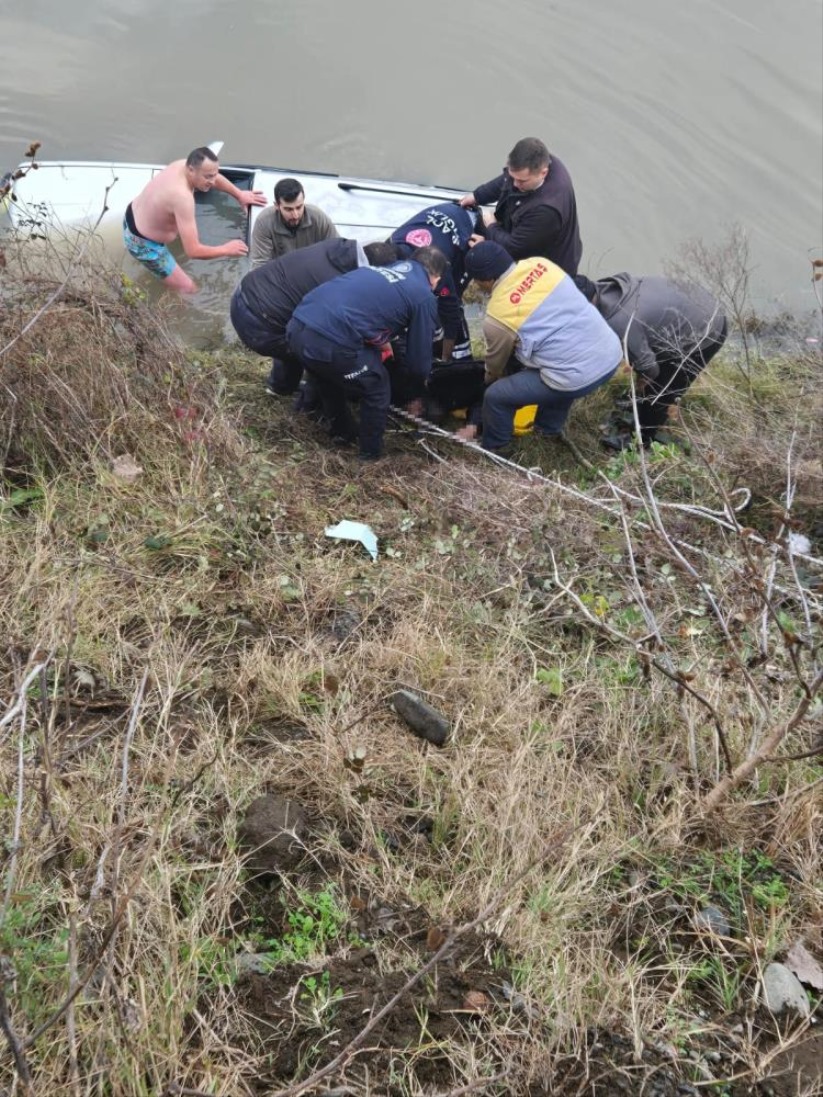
(657, 318)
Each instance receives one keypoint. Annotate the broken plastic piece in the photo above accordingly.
(355, 531)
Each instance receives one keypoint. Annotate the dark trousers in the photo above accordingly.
(267, 338)
(677, 371)
(342, 374)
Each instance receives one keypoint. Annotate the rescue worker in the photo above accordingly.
(447, 227)
(670, 333)
(267, 296)
(536, 313)
(536, 211)
(339, 329)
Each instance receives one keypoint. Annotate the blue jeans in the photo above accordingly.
(505, 396)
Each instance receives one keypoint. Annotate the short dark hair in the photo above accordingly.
(529, 154)
(197, 156)
(431, 260)
(288, 190)
(381, 253)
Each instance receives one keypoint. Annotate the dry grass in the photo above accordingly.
(185, 618)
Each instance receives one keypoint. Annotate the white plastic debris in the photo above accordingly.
(798, 542)
(355, 531)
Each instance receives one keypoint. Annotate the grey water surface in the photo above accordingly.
(676, 120)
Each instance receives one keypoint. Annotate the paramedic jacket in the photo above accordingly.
(369, 306)
(447, 227)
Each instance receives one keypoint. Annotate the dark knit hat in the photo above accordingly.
(487, 261)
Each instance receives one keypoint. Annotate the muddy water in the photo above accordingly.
(675, 120)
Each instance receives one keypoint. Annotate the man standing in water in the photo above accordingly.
(164, 210)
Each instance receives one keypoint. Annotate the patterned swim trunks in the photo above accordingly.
(156, 257)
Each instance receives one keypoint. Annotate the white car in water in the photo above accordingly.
(72, 194)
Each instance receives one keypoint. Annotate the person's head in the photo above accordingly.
(486, 262)
(528, 163)
(433, 262)
(202, 168)
(587, 288)
(381, 253)
(290, 201)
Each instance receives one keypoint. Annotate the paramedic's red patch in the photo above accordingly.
(419, 238)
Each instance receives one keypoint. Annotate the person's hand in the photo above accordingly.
(476, 238)
(489, 218)
(252, 198)
(467, 200)
(234, 247)
(467, 433)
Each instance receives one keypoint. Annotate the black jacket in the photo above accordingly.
(275, 289)
(540, 222)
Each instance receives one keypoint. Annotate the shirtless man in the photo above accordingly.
(164, 210)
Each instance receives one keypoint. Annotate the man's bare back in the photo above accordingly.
(164, 210)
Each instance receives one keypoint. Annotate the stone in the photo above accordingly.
(273, 834)
(713, 920)
(782, 990)
(424, 720)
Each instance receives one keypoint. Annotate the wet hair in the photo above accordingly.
(432, 261)
(381, 253)
(529, 154)
(287, 190)
(197, 156)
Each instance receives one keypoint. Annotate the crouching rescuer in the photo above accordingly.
(340, 329)
(538, 327)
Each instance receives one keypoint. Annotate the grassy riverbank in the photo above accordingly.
(180, 638)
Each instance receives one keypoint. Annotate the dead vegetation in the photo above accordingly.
(631, 669)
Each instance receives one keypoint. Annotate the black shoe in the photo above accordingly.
(368, 458)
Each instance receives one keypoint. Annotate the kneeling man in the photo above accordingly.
(536, 314)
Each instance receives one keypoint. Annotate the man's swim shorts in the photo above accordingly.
(156, 257)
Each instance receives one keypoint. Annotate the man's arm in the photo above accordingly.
(534, 234)
(419, 337)
(246, 198)
(187, 231)
(500, 344)
(640, 355)
(262, 239)
(488, 193)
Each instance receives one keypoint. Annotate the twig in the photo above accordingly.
(18, 813)
(15, 708)
(69, 268)
(7, 975)
(730, 782)
(645, 657)
(557, 841)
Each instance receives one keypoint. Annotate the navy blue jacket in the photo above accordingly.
(373, 304)
(447, 227)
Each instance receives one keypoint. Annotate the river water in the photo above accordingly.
(676, 120)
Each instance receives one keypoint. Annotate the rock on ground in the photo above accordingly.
(273, 833)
